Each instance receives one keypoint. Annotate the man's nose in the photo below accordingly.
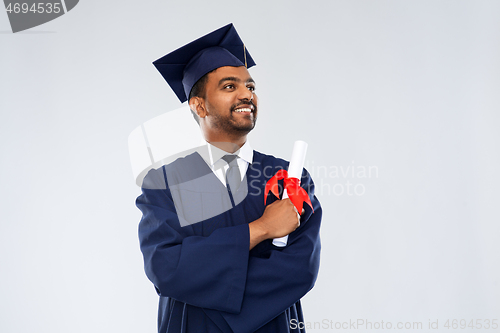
(246, 94)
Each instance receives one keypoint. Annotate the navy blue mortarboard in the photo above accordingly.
(183, 67)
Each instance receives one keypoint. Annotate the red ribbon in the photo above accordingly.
(292, 185)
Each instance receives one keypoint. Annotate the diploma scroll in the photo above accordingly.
(294, 171)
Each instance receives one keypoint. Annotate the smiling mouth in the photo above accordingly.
(243, 110)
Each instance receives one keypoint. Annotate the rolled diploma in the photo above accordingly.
(294, 171)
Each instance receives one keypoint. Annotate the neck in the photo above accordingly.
(229, 145)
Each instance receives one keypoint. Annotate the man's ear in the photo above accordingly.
(197, 104)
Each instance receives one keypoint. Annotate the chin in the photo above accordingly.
(246, 128)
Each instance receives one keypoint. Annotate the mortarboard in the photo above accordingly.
(183, 67)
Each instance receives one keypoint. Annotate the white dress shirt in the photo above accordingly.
(219, 166)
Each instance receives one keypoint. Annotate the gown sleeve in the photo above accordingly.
(279, 277)
(207, 272)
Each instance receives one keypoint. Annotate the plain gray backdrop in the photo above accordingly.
(408, 88)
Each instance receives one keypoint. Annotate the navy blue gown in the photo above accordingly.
(207, 279)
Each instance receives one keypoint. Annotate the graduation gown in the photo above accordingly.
(207, 279)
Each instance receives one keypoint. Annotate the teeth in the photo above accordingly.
(243, 110)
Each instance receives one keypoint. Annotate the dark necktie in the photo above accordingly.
(233, 175)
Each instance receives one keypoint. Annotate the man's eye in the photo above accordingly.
(229, 86)
(251, 88)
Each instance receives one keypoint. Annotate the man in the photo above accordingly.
(206, 235)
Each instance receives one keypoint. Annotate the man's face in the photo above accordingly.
(230, 101)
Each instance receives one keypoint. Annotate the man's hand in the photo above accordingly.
(279, 219)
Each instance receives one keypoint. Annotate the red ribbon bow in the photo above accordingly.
(292, 185)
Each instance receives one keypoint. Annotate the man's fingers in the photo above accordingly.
(298, 215)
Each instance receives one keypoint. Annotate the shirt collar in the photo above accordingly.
(214, 154)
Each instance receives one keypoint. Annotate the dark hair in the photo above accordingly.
(198, 90)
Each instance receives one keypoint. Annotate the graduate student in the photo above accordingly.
(206, 233)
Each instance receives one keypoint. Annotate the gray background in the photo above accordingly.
(410, 87)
